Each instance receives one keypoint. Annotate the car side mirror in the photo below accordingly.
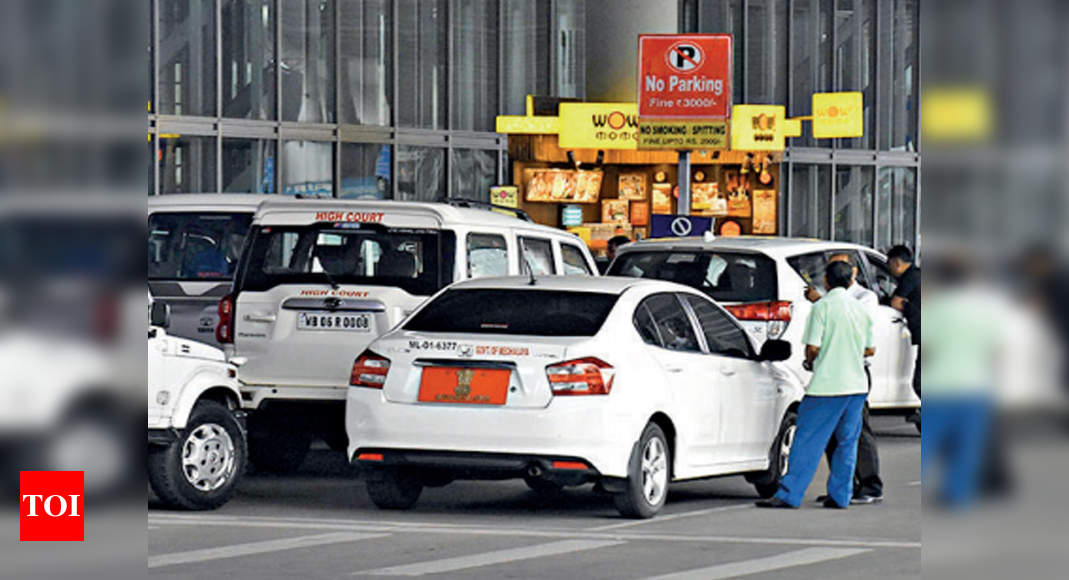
(160, 315)
(775, 350)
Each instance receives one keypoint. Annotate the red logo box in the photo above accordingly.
(51, 506)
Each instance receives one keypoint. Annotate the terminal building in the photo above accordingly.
(399, 99)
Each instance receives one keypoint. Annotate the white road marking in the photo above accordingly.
(913, 483)
(489, 558)
(256, 548)
(768, 564)
(423, 528)
(669, 517)
(153, 527)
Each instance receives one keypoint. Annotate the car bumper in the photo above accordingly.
(568, 429)
(162, 436)
(253, 396)
(474, 465)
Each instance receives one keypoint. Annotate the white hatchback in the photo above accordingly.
(627, 383)
(762, 281)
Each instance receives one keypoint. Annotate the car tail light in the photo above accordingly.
(369, 370)
(105, 322)
(583, 376)
(576, 465)
(776, 313)
(224, 331)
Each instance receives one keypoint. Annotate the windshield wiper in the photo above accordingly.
(330, 279)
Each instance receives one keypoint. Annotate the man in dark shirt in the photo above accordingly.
(614, 243)
(907, 299)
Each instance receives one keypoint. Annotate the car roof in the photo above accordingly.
(208, 201)
(603, 284)
(441, 212)
(771, 245)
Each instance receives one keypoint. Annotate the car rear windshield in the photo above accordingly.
(419, 261)
(195, 245)
(526, 312)
(723, 276)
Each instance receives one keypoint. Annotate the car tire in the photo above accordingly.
(646, 488)
(542, 486)
(277, 447)
(201, 468)
(393, 489)
(96, 440)
(767, 484)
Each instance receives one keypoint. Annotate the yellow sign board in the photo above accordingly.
(598, 126)
(520, 124)
(838, 115)
(959, 114)
(709, 134)
(757, 127)
(505, 196)
(792, 127)
(582, 232)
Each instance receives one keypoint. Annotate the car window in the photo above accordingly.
(646, 327)
(537, 256)
(573, 260)
(672, 323)
(195, 245)
(722, 334)
(810, 267)
(726, 276)
(862, 271)
(881, 275)
(406, 258)
(494, 311)
(487, 256)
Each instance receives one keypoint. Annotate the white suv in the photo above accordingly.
(320, 279)
(196, 442)
(762, 281)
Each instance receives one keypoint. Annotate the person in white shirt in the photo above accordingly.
(868, 487)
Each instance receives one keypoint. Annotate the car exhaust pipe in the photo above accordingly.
(534, 470)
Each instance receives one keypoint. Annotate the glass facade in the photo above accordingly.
(397, 98)
(391, 99)
(864, 189)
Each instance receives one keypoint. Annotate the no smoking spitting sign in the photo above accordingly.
(684, 76)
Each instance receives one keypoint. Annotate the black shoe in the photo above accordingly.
(822, 498)
(832, 504)
(866, 498)
(774, 503)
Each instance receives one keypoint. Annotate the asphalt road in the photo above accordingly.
(320, 523)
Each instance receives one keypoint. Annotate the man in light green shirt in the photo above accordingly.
(838, 337)
(838, 329)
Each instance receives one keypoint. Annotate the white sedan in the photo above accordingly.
(623, 382)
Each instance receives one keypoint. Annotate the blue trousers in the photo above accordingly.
(955, 438)
(820, 419)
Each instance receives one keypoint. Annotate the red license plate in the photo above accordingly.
(464, 385)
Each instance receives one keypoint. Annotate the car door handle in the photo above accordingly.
(674, 369)
(727, 372)
(261, 317)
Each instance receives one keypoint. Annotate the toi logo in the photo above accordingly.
(51, 506)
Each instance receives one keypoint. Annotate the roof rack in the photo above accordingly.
(478, 204)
